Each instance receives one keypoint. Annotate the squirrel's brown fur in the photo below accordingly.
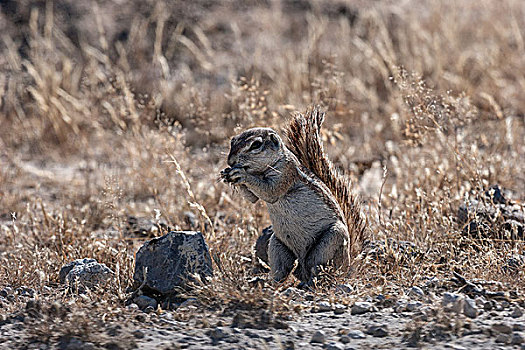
(304, 140)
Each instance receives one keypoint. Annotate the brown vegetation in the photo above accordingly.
(114, 110)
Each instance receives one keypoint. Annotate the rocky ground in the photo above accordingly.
(437, 315)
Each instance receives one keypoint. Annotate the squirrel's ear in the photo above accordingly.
(275, 140)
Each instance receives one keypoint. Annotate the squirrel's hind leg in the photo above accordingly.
(280, 258)
(332, 246)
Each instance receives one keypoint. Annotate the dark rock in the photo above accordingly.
(138, 334)
(149, 309)
(514, 228)
(495, 195)
(112, 346)
(251, 334)
(289, 345)
(502, 328)
(144, 227)
(318, 337)
(517, 312)
(344, 288)
(377, 331)
(189, 302)
(279, 324)
(85, 273)
(492, 215)
(168, 262)
(114, 330)
(345, 339)
(217, 334)
(6, 291)
(517, 339)
(25, 292)
(144, 301)
(412, 340)
(33, 308)
(257, 282)
(261, 245)
(73, 343)
(268, 338)
(503, 338)
(453, 302)
(292, 292)
(413, 306)
(339, 309)
(514, 263)
(69, 266)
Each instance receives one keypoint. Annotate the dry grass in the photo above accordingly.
(94, 111)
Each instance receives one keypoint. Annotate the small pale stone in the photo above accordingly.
(480, 301)
(453, 302)
(291, 291)
(344, 288)
(318, 337)
(416, 292)
(132, 307)
(356, 334)
(339, 309)
(323, 306)
(218, 333)
(333, 346)
(449, 298)
(469, 308)
(361, 307)
(413, 305)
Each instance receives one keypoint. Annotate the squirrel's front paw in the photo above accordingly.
(235, 175)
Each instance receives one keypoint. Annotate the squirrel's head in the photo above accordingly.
(255, 150)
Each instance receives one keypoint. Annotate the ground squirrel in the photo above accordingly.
(315, 217)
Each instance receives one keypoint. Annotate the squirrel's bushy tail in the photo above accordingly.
(304, 140)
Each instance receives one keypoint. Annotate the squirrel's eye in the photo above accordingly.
(255, 145)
